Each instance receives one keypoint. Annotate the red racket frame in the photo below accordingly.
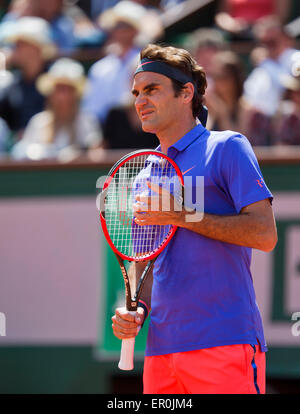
(108, 180)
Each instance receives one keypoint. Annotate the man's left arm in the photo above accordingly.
(253, 227)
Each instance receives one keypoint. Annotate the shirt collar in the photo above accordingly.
(187, 139)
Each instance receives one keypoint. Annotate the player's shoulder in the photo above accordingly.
(229, 143)
(226, 137)
(230, 148)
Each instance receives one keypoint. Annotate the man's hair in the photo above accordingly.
(182, 60)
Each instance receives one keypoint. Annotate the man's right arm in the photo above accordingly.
(124, 324)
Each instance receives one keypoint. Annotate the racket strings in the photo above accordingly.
(129, 181)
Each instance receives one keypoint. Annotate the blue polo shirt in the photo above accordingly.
(202, 294)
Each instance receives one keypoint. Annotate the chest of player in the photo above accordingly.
(205, 187)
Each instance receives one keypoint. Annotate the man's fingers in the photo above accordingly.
(125, 315)
(156, 187)
(140, 207)
(124, 324)
(124, 319)
(139, 316)
(143, 199)
(144, 219)
(121, 334)
(141, 222)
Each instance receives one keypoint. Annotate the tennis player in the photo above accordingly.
(205, 331)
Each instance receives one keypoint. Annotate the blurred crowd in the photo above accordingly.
(66, 71)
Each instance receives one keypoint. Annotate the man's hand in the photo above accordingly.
(162, 209)
(125, 325)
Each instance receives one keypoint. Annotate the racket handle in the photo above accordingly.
(127, 354)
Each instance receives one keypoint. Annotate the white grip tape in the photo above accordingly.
(127, 352)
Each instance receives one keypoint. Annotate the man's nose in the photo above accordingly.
(140, 101)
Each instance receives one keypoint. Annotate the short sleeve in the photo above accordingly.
(241, 173)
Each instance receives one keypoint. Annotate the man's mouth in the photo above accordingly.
(144, 114)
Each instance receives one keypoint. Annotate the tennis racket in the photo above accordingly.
(128, 240)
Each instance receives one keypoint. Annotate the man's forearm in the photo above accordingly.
(244, 229)
(231, 229)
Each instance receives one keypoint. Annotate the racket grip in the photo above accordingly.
(127, 354)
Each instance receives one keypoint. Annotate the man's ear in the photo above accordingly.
(188, 92)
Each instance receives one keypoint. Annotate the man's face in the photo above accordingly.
(204, 56)
(272, 40)
(295, 96)
(48, 10)
(123, 33)
(63, 96)
(155, 101)
(25, 52)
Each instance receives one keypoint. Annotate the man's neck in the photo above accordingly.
(172, 135)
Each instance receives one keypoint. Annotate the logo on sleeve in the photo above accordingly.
(260, 182)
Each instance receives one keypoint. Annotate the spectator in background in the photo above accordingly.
(62, 131)
(151, 26)
(204, 43)
(150, 4)
(122, 128)
(32, 50)
(3, 7)
(224, 92)
(167, 4)
(62, 26)
(110, 77)
(6, 77)
(263, 89)
(18, 9)
(238, 17)
(98, 7)
(5, 135)
(86, 32)
(287, 122)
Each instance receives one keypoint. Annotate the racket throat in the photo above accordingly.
(135, 300)
(131, 305)
(131, 302)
